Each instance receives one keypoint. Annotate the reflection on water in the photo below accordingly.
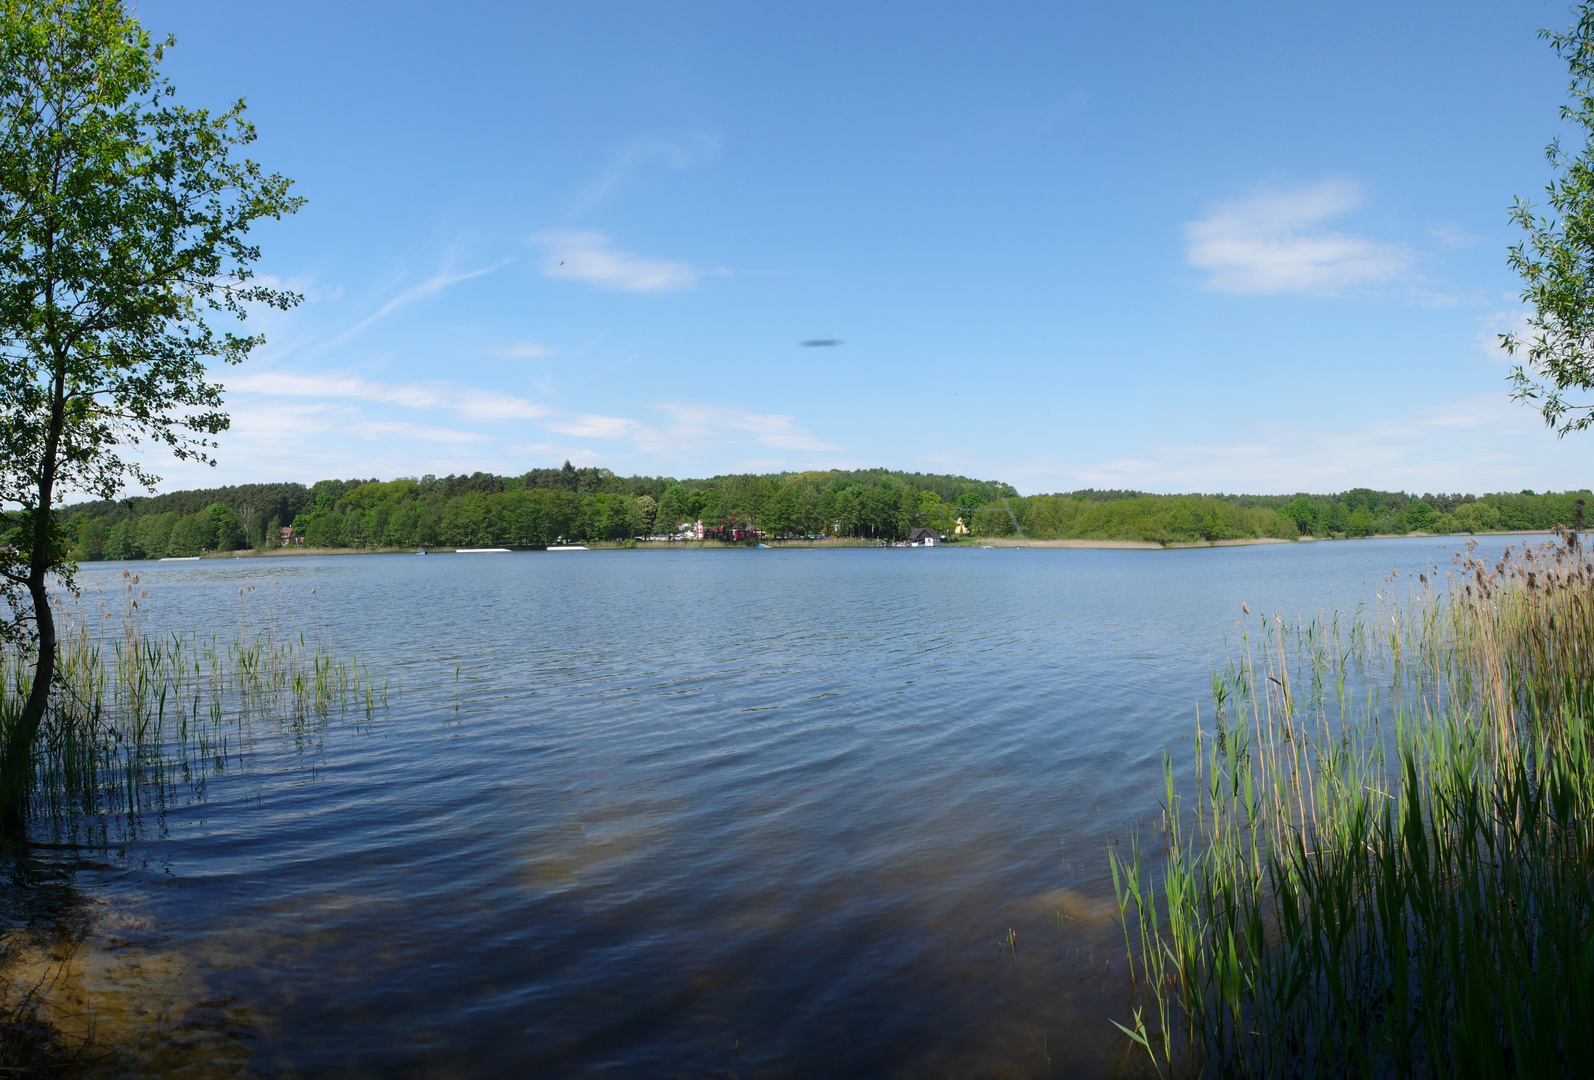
(768, 813)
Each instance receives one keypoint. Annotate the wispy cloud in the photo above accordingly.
(683, 152)
(312, 424)
(1453, 238)
(1276, 241)
(430, 287)
(399, 429)
(591, 426)
(466, 401)
(524, 350)
(1484, 442)
(687, 425)
(313, 440)
(1505, 322)
(591, 258)
(775, 430)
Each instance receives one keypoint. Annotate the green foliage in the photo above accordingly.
(1476, 517)
(1303, 511)
(1153, 518)
(537, 508)
(124, 221)
(543, 506)
(225, 532)
(1556, 259)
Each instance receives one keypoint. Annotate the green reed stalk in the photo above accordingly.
(1382, 891)
(135, 715)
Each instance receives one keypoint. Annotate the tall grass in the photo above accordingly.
(1386, 867)
(138, 715)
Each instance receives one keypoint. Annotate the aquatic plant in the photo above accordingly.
(1399, 882)
(139, 716)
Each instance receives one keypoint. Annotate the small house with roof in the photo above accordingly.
(922, 537)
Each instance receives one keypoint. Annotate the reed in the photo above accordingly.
(140, 718)
(1384, 865)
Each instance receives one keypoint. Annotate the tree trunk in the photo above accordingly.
(16, 764)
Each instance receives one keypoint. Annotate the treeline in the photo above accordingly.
(1365, 512)
(540, 507)
(546, 506)
(1134, 515)
(1162, 519)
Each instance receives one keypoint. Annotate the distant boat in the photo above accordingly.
(763, 545)
(567, 547)
(479, 551)
(180, 558)
(420, 553)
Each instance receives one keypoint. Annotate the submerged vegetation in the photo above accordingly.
(141, 718)
(1395, 882)
(544, 506)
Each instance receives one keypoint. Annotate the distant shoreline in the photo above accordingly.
(1120, 545)
(855, 542)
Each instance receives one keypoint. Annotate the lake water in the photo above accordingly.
(754, 813)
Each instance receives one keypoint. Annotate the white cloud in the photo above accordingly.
(554, 452)
(692, 430)
(467, 401)
(313, 440)
(308, 425)
(589, 257)
(399, 429)
(1453, 238)
(524, 350)
(1485, 442)
(600, 427)
(688, 426)
(1275, 241)
(776, 430)
(1505, 322)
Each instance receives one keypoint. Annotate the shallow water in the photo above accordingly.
(751, 813)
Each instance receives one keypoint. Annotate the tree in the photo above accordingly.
(1476, 517)
(226, 532)
(1302, 511)
(246, 522)
(647, 511)
(1334, 518)
(124, 220)
(1556, 259)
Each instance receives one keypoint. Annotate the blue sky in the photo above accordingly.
(1172, 247)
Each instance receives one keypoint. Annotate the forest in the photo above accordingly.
(568, 504)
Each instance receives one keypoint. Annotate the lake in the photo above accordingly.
(753, 813)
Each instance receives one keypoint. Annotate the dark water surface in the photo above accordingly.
(698, 813)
